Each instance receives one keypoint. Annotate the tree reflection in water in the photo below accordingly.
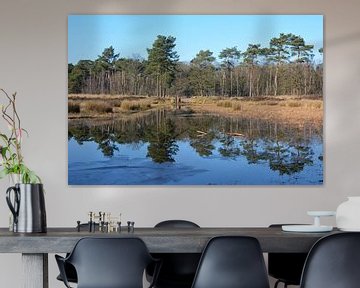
(104, 136)
(229, 148)
(283, 148)
(286, 158)
(162, 142)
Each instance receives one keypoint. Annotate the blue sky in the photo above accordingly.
(130, 35)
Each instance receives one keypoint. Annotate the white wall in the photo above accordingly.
(33, 62)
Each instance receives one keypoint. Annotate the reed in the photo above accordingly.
(95, 107)
(137, 105)
(73, 107)
(224, 103)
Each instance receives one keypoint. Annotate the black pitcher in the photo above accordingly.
(28, 208)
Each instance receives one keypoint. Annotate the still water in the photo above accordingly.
(179, 148)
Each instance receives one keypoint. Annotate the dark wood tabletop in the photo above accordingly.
(158, 240)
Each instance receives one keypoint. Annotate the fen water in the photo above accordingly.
(185, 148)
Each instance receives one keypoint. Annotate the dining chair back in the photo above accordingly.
(232, 262)
(178, 269)
(176, 224)
(333, 262)
(285, 267)
(70, 271)
(107, 262)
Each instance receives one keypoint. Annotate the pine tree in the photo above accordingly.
(251, 55)
(161, 64)
(202, 72)
(279, 53)
(230, 57)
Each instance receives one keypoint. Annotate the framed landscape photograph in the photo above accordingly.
(195, 100)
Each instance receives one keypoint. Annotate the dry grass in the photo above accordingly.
(73, 107)
(225, 103)
(95, 107)
(316, 104)
(304, 103)
(90, 106)
(139, 105)
(103, 97)
(203, 99)
(236, 106)
(269, 102)
(289, 109)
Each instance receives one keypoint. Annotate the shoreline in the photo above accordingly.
(288, 109)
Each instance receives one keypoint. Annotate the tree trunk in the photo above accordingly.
(231, 82)
(276, 79)
(223, 84)
(237, 82)
(157, 86)
(250, 82)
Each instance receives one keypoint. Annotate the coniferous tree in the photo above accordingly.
(202, 72)
(161, 64)
(251, 56)
(285, 67)
(279, 53)
(229, 57)
(106, 63)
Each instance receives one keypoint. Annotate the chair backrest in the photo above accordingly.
(110, 262)
(232, 262)
(333, 262)
(178, 269)
(176, 224)
(286, 267)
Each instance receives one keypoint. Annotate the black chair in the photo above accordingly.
(178, 269)
(286, 267)
(108, 263)
(176, 224)
(69, 269)
(232, 262)
(333, 262)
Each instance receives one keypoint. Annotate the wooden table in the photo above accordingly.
(35, 247)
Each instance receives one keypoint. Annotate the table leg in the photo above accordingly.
(35, 270)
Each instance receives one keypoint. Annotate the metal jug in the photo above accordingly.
(28, 208)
